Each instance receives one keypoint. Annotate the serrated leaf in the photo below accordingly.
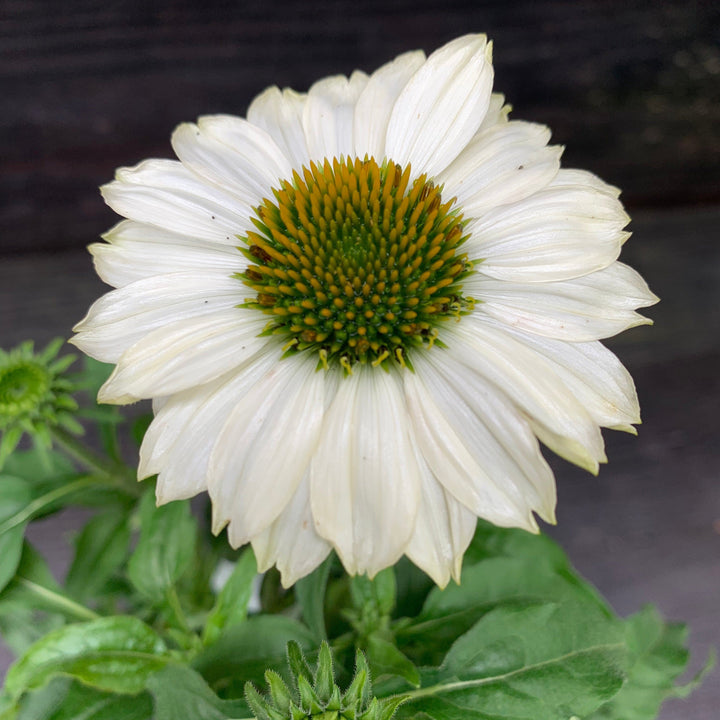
(165, 547)
(544, 661)
(386, 660)
(15, 495)
(310, 594)
(100, 549)
(245, 651)
(231, 606)
(450, 612)
(116, 654)
(66, 700)
(181, 694)
(658, 655)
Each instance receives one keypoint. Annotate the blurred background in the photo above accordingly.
(632, 89)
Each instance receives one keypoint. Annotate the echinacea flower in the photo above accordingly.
(359, 309)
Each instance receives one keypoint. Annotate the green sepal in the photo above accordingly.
(360, 688)
(309, 700)
(279, 691)
(297, 662)
(260, 708)
(387, 707)
(324, 678)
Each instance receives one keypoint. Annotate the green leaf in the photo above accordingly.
(386, 660)
(106, 418)
(116, 654)
(34, 587)
(232, 602)
(165, 547)
(62, 699)
(496, 542)
(492, 541)
(140, 426)
(37, 466)
(54, 484)
(658, 655)
(14, 496)
(45, 702)
(21, 626)
(310, 594)
(413, 586)
(181, 694)
(450, 612)
(32, 604)
(545, 661)
(93, 375)
(100, 549)
(245, 651)
(51, 496)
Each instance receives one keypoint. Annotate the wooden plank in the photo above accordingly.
(631, 89)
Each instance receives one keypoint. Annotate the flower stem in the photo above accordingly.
(48, 498)
(83, 454)
(61, 602)
(176, 608)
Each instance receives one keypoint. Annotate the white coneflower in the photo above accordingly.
(358, 310)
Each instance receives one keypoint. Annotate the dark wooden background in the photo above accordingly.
(631, 88)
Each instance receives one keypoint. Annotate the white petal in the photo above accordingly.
(497, 112)
(265, 447)
(122, 317)
(291, 542)
(595, 306)
(183, 354)
(375, 104)
(180, 439)
(571, 178)
(443, 530)
(568, 229)
(134, 251)
(442, 106)
(280, 115)
(594, 376)
(233, 153)
(364, 477)
(531, 382)
(167, 195)
(477, 443)
(163, 433)
(328, 116)
(504, 164)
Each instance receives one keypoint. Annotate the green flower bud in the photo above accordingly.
(35, 396)
(315, 696)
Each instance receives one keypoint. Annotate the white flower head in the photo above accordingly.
(359, 309)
